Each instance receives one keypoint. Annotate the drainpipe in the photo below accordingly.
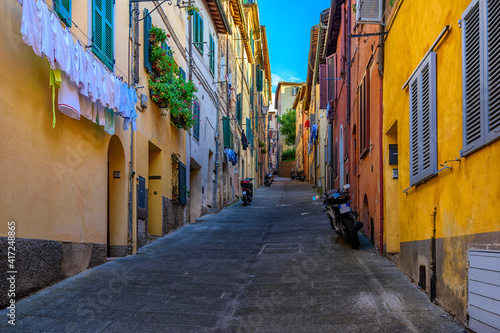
(348, 70)
(432, 266)
(381, 135)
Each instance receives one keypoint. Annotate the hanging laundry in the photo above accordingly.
(100, 117)
(31, 25)
(64, 49)
(55, 80)
(68, 100)
(48, 35)
(86, 107)
(79, 67)
(109, 127)
(244, 140)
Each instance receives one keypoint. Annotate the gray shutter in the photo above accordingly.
(423, 129)
(493, 115)
(471, 79)
(330, 62)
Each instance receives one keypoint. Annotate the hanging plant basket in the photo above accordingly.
(158, 101)
(179, 121)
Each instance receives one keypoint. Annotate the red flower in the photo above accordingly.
(168, 35)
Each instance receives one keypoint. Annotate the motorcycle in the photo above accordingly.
(268, 179)
(246, 190)
(342, 217)
(301, 175)
(292, 174)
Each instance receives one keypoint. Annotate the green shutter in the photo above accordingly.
(201, 33)
(251, 97)
(63, 10)
(251, 41)
(260, 80)
(212, 55)
(196, 114)
(226, 126)
(238, 108)
(198, 31)
(102, 31)
(182, 184)
(182, 73)
(147, 45)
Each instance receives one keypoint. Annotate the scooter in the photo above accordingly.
(268, 179)
(301, 175)
(343, 219)
(292, 174)
(246, 190)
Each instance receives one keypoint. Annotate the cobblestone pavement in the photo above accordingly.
(274, 266)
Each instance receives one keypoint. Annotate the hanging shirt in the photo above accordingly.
(68, 98)
(48, 36)
(117, 95)
(63, 55)
(90, 74)
(31, 25)
(86, 106)
(100, 117)
(109, 127)
(110, 83)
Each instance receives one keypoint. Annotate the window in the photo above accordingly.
(182, 73)
(196, 126)
(260, 79)
(63, 10)
(481, 92)
(331, 75)
(212, 55)
(228, 136)
(102, 31)
(369, 11)
(423, 133)
(364, 116)
(198, 31)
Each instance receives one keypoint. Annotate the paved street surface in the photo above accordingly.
(273, 266)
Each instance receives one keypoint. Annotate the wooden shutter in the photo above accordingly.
(182, 184)
(260, 80)
(63, 10)
(364, 116)
(331, 82)
(147, 45)
(423, 129)
(198, 31)
(196, 114)
(102, 31)
(238, 108)
(492, 117)
(182, 73)
(323, 84)
(226, 126)
(212, 55)
(471, 80)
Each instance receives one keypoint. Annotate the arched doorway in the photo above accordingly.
(117, 200)
(366, 218)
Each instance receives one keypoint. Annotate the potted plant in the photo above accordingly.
(192, 9)
(263, 150)
(168, 89)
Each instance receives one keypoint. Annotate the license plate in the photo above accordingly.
(244, 193)
(344, 208)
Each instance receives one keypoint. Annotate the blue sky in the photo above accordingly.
(288, 26)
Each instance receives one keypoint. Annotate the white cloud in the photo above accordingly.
(276, 78)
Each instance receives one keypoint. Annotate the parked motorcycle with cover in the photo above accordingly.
(246, 190)
(268, 179)
(343, 219)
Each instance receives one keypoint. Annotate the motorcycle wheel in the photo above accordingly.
(331, 222)
(351, 232)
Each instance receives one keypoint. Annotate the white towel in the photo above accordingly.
(86, 107)
(68, 100)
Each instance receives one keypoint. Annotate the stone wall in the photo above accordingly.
(41, 263)
(285, 168)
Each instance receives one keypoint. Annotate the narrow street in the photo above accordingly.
(273, 266)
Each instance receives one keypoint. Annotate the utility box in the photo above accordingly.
(393, 154)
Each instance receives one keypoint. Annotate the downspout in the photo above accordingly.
(381, 135)
(432, 265)
(348, 70)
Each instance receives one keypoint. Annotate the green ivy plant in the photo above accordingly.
(168, 88)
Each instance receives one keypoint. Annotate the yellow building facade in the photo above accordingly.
(441, 194)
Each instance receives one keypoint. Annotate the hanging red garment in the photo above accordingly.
(308, 124)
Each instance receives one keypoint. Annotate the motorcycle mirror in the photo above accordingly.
(346, 186)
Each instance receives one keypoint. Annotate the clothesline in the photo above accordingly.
(42, 29)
